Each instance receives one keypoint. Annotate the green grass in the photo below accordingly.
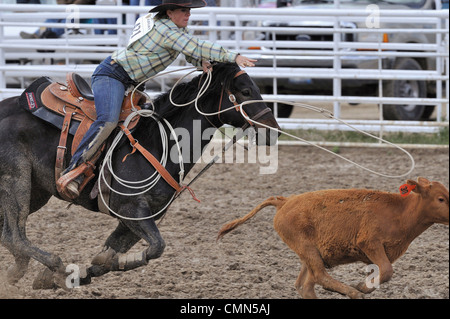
(440, 138)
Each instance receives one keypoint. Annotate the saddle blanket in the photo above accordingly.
(31, 101)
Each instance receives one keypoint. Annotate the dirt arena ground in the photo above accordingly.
(251, 262)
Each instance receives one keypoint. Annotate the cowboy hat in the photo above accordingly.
(175, 4)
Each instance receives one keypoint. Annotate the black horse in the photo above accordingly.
(27, 177)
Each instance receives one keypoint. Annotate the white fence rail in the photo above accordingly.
(22, 60)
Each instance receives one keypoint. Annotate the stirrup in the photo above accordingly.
(85, 169)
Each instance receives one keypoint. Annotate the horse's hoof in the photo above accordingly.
(104, 258)
(85, 280)
(48, 279)
(44, 280)
(13, 274)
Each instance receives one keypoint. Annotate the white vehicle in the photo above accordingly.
(396, 88)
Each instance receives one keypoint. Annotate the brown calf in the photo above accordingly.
(333, 227)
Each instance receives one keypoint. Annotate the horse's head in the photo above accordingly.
(237, 87)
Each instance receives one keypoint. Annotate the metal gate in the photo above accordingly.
(80, 49)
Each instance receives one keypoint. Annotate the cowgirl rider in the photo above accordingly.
(155, 43)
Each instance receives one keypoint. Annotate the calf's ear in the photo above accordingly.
(416, 188)
(423, 181)
(420, 185)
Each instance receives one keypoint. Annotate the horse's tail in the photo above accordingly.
(278, 202)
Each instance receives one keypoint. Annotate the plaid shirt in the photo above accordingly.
(155, 51)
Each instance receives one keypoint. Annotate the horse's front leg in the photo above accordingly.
(114, 256)
(119, 242)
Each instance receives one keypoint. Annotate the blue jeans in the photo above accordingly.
(109, 83)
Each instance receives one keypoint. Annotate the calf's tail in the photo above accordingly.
(278, 202)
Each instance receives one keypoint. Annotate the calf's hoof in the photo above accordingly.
(356, 294)
(363, 288)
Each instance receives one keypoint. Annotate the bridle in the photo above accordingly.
(238, 107)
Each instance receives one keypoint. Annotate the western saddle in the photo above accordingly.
(75, 101)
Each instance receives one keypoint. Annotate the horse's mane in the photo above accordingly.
(223, 74)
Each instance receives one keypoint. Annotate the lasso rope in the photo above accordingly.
(330, 115)
(152, 180)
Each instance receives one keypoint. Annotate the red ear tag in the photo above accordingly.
(405, 189)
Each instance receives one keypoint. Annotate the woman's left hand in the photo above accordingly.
(243, 61)
(206, 65)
